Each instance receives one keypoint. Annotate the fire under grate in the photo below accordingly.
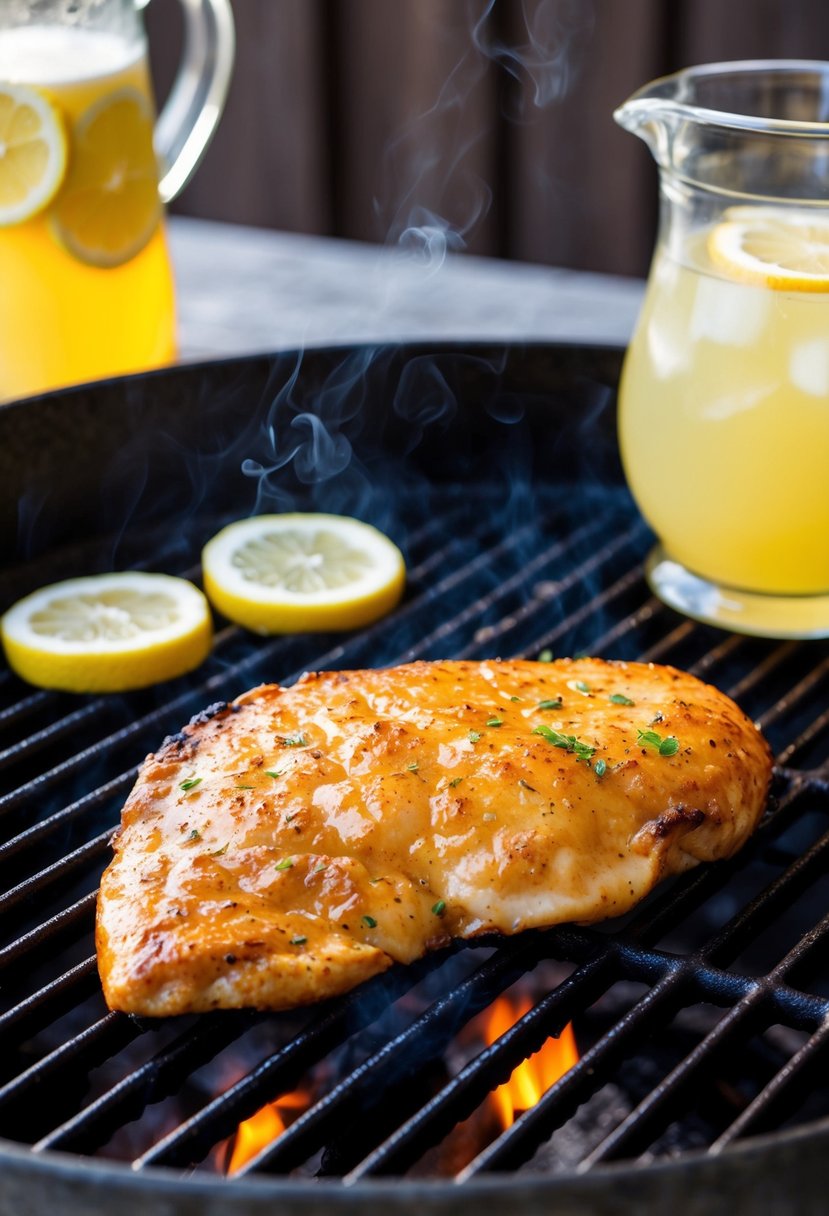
(701, 1020)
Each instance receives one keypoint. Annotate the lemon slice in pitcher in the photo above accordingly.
(108, 632)
(774, 248)
(32, 153)
(109, 206)
(297, 573)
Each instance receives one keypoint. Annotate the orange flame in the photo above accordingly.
(534, 1076)
(255, 1133)
(528, 1082)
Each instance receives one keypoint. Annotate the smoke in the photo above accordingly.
(440, 180)
(444, 172)
(551, 32)
(311, 444)
(439, 183)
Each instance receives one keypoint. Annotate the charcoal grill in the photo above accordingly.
(495, 469)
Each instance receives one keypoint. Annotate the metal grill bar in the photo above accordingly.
(579, 615)
(78, 720)
(629, 624)
(605, 601)
(477, 608)
(39, 832)
(492, 1066)
(80, 1053)
(754, 1012)
(50, 1001)
(25, 947)
(150, 1081)
(399, 1058)
(779, 1097)
(280, 1071)
(59, 872)
(14, 715)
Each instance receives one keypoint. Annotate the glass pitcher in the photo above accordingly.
(724, 400)
(86, 286)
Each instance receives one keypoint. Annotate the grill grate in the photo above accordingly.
(742, 940)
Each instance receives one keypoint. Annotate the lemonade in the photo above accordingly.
(87, 286)
(724, 403)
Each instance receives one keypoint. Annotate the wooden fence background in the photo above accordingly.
(491, 118)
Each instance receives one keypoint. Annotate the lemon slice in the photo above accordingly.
(298, 573)
(109, 206)
(32, 153)
(107, 632)
(774, 248)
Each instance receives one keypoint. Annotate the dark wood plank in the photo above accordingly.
(268, 163)
(416, 120)
(712, 30)
(582, 192)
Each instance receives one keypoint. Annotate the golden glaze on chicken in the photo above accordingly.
(286, 847)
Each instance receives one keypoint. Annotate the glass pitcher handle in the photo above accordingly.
(186, 124)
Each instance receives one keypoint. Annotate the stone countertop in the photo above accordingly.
(242, 290)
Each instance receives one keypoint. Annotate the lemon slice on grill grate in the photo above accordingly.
(772, 247)
(32, 153)
(298, 573)
(108, 632)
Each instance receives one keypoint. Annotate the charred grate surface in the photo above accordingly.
(700, 1021)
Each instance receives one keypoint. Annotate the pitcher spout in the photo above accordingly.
(652, 117)
(724, 126)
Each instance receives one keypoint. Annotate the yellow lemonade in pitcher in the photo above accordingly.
(85, 282)
(724, 402)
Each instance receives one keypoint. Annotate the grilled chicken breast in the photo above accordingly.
(285, 847)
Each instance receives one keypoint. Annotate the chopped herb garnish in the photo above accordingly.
(298, 941)
(474, 736)
(439, 908)
(553, 703)
(455, 782)
(619, 698)
(245, 787)
(195, 835)
(318, 869)
(600, 768)
(369, 922)
(582, 751)
(374, 881)
(668, 746)
(295, 741)
(495, 722)
(285, 864)
(580, 686)
(412, 767)
(527, 785)
(220, 852)
(516, 698)
(189, 784)
(273, 772)
(546, 656)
